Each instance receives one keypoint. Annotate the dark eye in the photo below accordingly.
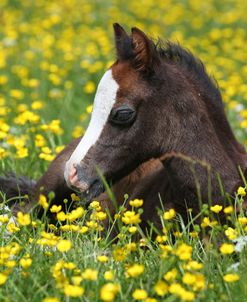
(123, 115)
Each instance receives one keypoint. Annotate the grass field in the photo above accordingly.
(52, 54)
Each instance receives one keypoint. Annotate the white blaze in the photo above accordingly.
(104, 100)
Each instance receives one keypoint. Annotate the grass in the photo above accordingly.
(52, 55)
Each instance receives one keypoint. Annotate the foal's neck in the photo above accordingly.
(201, 162)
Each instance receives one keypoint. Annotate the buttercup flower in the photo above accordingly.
(64, 245)
(227, 248)
(139, 294)
(231, 277)
(135, 270)
(241, 191)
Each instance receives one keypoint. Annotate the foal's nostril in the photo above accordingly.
(81, 174)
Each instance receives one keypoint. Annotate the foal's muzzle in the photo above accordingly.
(88, 187)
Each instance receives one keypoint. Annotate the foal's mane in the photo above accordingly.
(175, 53)
(208, 89)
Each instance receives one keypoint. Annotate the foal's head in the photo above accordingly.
(145, 106)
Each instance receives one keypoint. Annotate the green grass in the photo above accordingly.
(52, 55)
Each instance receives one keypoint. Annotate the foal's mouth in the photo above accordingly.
(93, 191)
(87, 188)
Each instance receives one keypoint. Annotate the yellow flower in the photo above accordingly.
(36, 105)
(61, 216)
(10, 263)
(76, 280)
(227, 248)
(200, 282)
(64, 245)
(216, 208)
(89, 109)
(55, 208)
(193, 265)
(43, 201)
(12, 228)
(130, 217)
(75, 197)
(109, 291)
(241, 191)
(102, 258)
(135, 270)
(119, 254)
(108, 275)
(3, 278)
(22, 152)
(3, 153)
(161, 288)
(3, 79)
(17, 94)
(136, 203)
(23, 219)
(94, 205)
(39, 140)
(171, 275)
(90, 274)
(184, 251)
(178, 290)
(54, 127)
(73, 290)
(189, 279)
(51, 299)
(206, 222)
(242, 220)
(132, 229)
(25, 262)
(228, 210)
(161, 239)
(4, 218)
(83, 229)
(139, 294)
(78, 131)
(231, 233)
(75, 214)
(231, 277)
(89, 87)
(188, 296)
(168, 215)
(92, 224)
(101, 215)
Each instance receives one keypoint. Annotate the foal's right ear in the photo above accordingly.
(122, 42)
(143, 49)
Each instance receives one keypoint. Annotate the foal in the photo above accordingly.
(158, 101)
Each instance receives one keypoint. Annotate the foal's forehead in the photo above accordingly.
(118, 82)
(124, 74)
(129, 80)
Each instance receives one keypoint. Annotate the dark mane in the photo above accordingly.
(175, 53)
(208, 89)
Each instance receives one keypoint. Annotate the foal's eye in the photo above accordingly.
(123, 115)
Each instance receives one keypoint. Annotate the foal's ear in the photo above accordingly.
(143, 49)
(122, 42)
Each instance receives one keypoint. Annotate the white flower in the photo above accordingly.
(241, 242)
(233, 267)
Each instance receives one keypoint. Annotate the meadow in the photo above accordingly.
(52, 55)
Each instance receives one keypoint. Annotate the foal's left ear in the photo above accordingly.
(122, 42)
(143, 49)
